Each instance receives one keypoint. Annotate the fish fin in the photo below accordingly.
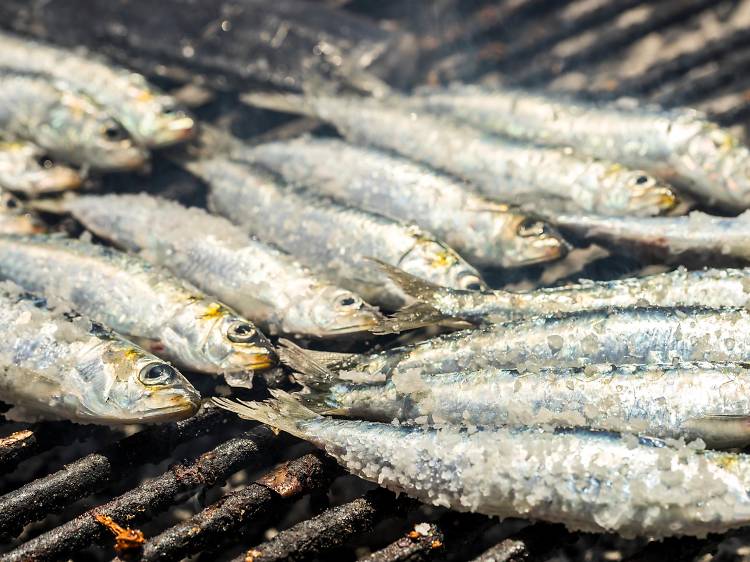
(418, 315)
(412, 285)
(283, 411)
(308, 361)
(282, 102)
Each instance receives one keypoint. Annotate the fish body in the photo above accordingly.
(506, 171)
(695, 237)
(263, 283)
(55, 364)
(589, 481)
(168, 316)
(331, 239)
(486, 233)
(713, 288)
(24, 168)
(680, 144)
(710, 401)
(150, 116)
(66, 124)
(577, 339)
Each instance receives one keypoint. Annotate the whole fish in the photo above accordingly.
(329, 238)
(576, 339)
(713, 288)
(15, 218)
(588, 481)
(510, 172)
(486, 233)
(710, 401)
(146, 304)
(697, 237)
(261, 282)
(150, 116)
(56, 364)
(680, 144)
(24, 168)
(65, 123)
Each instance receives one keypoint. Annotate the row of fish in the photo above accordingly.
(541, 409)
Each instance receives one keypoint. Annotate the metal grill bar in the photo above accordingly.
(412, 547)
(93, 472)
(532, 543)
(613, 41)
(234, 513)
(331, 528)
(247, 451)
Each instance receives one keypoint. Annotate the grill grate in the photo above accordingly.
(515, 41)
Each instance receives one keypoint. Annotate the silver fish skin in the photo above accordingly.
(682, 145)
(331, 239)
(166, 315)
(24, 168)
(152, 117)
(710, 401)
(713, 288)
(507, 171)
(696, 237)
(486, 233)
(263, 283)
(617, 336)
(65, 123)
(589, 481)
(56, 364)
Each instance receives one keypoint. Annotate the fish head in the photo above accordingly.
(217, 340)
(530, 241)
(332, 311)
(15, 218)
(126, 384)
(25, 167)
(81, 132)
(635, 190)
(440, 264)
(158, 121)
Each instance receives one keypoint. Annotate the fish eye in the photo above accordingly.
(530, 227)
(114, 133)
(11, 202)
(45, 161)
(157, 373)
(348, 301)
(241, 332)
(640, 180)
(470, 283)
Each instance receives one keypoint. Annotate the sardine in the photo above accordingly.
(713, 288)
(56, 364)
(261, 282)
(15, 218)
(172, 319)
(576, 339)
(331, 239)
(710, 401)
(682, 145)
(697, 238)
(590, 481)
(151, 117)
(65, 123)
(24, 168)
(484, 232)
(507, 171)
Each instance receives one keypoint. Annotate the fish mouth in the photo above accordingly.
(126, 159)
(176, 131)
(259, 362)
(58, 179)
(365, 325)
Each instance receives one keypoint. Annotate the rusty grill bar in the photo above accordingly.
(516, 40)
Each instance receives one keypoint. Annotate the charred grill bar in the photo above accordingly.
(517, 40)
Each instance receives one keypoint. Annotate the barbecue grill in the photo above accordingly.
(214, 487)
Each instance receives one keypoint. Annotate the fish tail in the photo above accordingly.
(418, 315)
(308, 362)
(283, 102)
(283, 411)
(414, 286)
